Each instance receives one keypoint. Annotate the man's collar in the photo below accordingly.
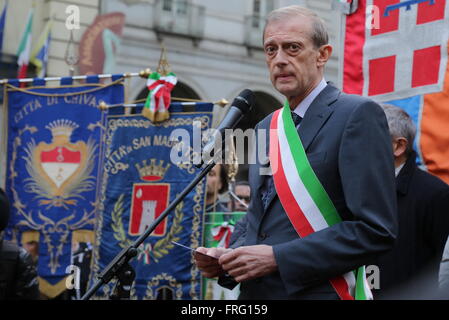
(398, 169)
(307, 101)
(406, 173)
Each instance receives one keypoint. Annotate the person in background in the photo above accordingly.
(33, 249)
(216, 183)
(216, 226)
(241, 197)
(18, 275)
(81, 258)
(243, 192)
(410, 269)
(444, 273)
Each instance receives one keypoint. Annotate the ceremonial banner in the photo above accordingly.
(54, 157)
(396, 52)
(140, 180)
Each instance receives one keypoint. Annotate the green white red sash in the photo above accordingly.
(304, 199)
(159, 98)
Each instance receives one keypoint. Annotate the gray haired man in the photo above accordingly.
(346, 142)
(410, 270)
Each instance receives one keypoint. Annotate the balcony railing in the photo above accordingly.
(179, 17)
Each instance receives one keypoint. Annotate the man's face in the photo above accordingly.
(243, 192)
(213, 181)
(294, 63)
(33, 249)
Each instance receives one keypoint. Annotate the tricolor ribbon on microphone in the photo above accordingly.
(222, 233)
(144, 253)
(159, 97)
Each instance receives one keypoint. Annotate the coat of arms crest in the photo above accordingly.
(61, 170)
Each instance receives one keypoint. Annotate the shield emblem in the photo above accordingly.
(60, 164)
(148, 202)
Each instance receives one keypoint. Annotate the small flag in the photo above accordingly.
(39, 55)
(2, 24)
(159, 97)
(24, 49)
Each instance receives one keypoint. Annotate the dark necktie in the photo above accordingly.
(296, 118)
(269, 189)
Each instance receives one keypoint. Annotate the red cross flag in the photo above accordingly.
(394, 49)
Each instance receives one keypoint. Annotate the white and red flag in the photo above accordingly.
(395, 49)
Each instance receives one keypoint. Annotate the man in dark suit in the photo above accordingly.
(444, 273)
(410, 270)
(347, 143)
(4, 210)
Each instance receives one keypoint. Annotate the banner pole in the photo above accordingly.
(142, 74)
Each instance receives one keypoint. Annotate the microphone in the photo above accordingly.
(241, 105)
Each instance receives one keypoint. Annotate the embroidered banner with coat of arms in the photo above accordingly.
(54, 157)
(140, 179)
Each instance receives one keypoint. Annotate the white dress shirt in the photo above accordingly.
(305, 104)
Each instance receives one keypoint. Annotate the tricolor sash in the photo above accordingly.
(304, 199)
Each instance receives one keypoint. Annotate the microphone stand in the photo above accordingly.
(119, 267)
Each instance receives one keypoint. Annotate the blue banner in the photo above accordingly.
(54, 159)
(139, 181)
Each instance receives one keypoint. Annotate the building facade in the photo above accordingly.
(214, 47)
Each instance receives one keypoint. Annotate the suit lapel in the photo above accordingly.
(405, 175)
(317, 114)
(261, 178)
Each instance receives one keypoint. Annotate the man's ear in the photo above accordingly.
(324, 54)
(400, 147)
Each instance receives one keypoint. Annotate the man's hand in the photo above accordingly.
(246, 263)
(209, 267)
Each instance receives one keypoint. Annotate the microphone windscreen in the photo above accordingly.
(244, 101)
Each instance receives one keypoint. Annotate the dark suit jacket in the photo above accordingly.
(410, 270)
(4, 210)
(348, 145)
